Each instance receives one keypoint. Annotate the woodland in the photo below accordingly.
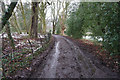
(27, 29)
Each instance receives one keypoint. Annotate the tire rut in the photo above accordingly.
(66, 60)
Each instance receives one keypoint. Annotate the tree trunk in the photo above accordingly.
(62, 30)
(9, 36)
(8, 14)
(8, 29)
(44, 25)
(23, 15)
(43, 15)
(16, 23)
(53, 27)
(34, 26)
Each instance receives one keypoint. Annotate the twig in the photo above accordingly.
(30, 46)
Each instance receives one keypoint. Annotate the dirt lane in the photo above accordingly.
(66, 60)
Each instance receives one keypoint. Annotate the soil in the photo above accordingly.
(65, 59)
(98, 54)
(35, 63)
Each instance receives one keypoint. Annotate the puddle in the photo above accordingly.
(52, 70)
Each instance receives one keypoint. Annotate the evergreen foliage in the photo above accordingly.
(99, 18)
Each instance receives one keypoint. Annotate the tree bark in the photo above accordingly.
(34, 26)
(16, 23)
(43, 15)
(9, 36)
(8, 14)
(23, 15)
(53, 27)
(8, 29)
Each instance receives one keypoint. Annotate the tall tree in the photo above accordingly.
(8, 28)
(63, 16)
(34, 25)
(16, 23)
(23, 15)
(8, 14)
(42, 9)
(54, 17)
(55, 11)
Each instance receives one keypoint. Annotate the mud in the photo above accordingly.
(67, 60)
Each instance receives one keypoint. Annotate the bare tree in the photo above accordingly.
(8, 28)
(23, 15)
(55, 9)
(63, 16)
(42, 9)
(8, 14)
(34, 25)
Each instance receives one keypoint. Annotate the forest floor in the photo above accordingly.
(70, 58)
(20, 58)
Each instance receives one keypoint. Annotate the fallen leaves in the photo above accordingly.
(19, 58)
(99, 52)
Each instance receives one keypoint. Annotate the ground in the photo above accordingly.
(66, 57)
(67, 60)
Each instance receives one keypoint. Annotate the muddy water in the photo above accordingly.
(54, 61)
(49, 70)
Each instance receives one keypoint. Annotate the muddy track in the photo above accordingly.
(37, 63)
(66, 60)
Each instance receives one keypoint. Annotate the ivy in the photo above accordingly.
(101, 19)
